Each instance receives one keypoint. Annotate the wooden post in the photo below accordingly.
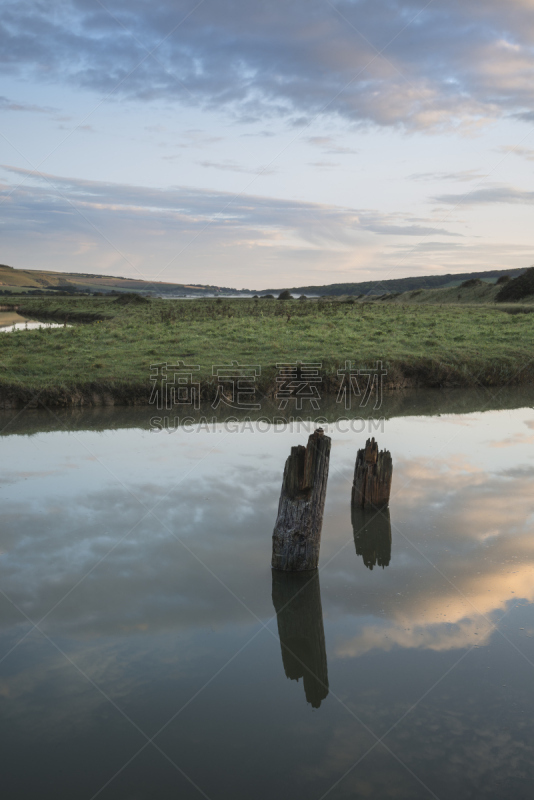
(372, 535)
(297, 532)
(372, 476)
(297, 602)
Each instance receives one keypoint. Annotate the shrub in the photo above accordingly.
(502, 279)
(470, 283)
(285, 295)
(517, 288)
(131, 297)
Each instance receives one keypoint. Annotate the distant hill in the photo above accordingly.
(12, 279)
(398, 284)
(28, 280)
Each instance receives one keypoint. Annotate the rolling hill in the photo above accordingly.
(28, 280)
(17, 280)
(400, 284)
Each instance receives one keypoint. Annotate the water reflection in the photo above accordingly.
(372, 535)
(150, 620)
(11, 321)
(297, 602)
(401, 403)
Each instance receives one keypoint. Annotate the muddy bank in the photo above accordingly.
(55, 315)
(400, 376)
(58, 315)
(401, 403)
(92, 394)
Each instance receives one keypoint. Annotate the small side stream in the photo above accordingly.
(12, 321)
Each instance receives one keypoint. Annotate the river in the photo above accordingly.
(147, 650)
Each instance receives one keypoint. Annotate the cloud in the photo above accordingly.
(163, 585)
(84, 128)
(523, 152)
(9, 105)
(231, 166)
(145, 229)
(186, 207)
(491, 194)
(323, 164)
(445, 64)
(428, 256)
(462, 176)
(409, 230)
(194, 137)
(459, 740)
(465, 515)
(526, 116)
(329, 145)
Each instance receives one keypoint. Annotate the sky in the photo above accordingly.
(267, 144)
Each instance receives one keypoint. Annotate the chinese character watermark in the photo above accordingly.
(350, 387)
(298, 382)
(172, 384)
(235, 385)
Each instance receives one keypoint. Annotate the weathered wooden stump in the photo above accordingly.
(372, 535)
(372, 476)
(297, 532)
(297, 602)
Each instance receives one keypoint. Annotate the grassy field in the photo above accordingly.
(108, 360)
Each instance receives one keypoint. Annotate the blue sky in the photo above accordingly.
(267, 144)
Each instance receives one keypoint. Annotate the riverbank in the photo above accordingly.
(403, 403)
(108, 362)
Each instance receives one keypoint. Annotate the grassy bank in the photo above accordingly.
(108, 360)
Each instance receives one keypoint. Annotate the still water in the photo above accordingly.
(147, 651)
(11, 321)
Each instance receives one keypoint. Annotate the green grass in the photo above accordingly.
(419, 344)
(480, 294)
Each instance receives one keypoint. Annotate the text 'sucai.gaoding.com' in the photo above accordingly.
(358, 425)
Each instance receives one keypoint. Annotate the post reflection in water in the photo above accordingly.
(297, 602)
(372, 535)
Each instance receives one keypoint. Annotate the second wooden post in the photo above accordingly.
(372, 476)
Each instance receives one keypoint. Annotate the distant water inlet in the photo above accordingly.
(11, 321)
